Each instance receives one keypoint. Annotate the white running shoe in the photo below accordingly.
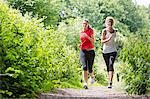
(92, 80)
(110, 85)
(85, 86)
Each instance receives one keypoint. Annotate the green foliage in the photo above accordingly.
(125, 11)
(99, 77)
(136, 73)
(38, 58)
(71, 29)
(49, 9)
(54, 11)
(41, 58)
(89, 10)
(131, 16)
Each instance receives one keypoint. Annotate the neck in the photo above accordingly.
(110, 29)
(86, 28)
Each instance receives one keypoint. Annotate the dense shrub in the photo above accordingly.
(71, 29)
(38, 58)
(49, 9)
(136, 72)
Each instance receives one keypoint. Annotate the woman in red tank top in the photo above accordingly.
(87, 53)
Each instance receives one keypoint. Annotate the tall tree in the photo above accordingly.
(47, 9)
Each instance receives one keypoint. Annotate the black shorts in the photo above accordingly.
(87, 59)
(109, 60)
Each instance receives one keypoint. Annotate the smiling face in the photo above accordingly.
(85, 24)
(109, 22)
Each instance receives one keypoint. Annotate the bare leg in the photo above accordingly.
(92, 77)
(92, 74)
(110, 76)
(85, 76)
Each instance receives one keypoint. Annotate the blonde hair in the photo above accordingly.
(111, 19)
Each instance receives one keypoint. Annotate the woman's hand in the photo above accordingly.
(79, 45)
(85, 35)
(103, 38)
(92, 39)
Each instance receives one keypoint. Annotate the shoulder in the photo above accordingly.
(115, 30)
(91, 31)
(104, 31)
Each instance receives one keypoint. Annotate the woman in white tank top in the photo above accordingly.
(109, 47)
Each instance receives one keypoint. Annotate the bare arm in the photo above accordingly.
(103, 37)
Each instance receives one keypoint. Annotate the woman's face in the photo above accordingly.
(85, 24)
(108, 23)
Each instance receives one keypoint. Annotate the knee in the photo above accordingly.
(85, 68)
(90, 70)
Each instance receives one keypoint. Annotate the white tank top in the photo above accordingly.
(110, 46)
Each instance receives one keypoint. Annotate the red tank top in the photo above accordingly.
(85, 42)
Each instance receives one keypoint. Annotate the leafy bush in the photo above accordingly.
(49, 9)
(38, 58)
(136, 73)
(71, 29)
(99, 76)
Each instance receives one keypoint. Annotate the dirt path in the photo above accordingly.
(94, 92)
